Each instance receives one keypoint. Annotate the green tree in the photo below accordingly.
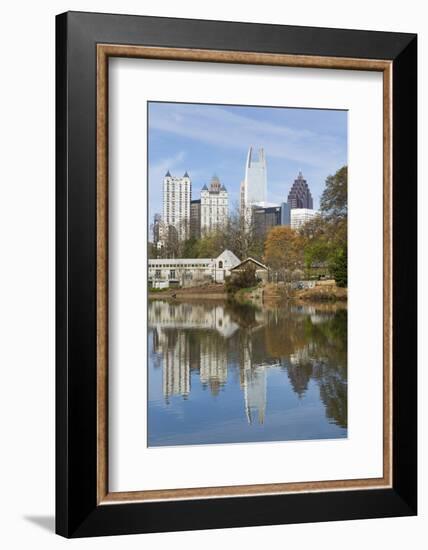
(190, 248)
(334, 200)
(339, 266)
(209, 246)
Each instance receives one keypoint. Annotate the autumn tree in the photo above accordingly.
(283, 251)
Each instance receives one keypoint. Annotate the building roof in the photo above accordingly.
(168, 174)
(249, 259)
(215, 185)
(205, 188)
(223, 188)
(225, 255)
(186, 175)
(195, 201)
(229, 256)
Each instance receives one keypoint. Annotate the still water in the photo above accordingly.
(221, 373)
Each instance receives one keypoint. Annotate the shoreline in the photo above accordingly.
(257, 296)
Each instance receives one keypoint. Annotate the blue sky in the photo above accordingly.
(214, 139)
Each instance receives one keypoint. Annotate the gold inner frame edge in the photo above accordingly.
(104, 52)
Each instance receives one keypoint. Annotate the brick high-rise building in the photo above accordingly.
(195, 218)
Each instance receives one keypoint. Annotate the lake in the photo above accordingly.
(229, 373)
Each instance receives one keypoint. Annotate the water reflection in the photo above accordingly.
(237, 373)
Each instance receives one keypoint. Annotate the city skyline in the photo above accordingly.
(204, 140)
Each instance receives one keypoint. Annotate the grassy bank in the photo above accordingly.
(277, 293)
(323, 293)
(204, 292)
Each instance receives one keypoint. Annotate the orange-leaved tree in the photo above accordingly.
(283, 251)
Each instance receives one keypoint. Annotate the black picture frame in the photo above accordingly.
(77, 511)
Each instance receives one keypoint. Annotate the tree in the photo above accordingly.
(240, 236)
(283, 250)
(151, 250)
(190, 248)
(209, 246)
(334, 200)
(339, 266)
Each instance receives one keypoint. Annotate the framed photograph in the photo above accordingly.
(236, 274)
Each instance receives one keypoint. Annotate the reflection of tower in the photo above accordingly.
(300, 370)
(176, 369)
(255, 393)
(213, 365)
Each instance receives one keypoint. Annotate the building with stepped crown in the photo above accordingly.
(300, 195)
(253, 189)
(214, 205)
(177, 193)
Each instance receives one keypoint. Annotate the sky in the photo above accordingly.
(207, 140)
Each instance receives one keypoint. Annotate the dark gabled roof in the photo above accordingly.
(249, 259)
(205, 188)
(168, 174)
(186, 175)
(223, 188)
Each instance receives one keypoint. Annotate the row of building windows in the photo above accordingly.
(180, 266)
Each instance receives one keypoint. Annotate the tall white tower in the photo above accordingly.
(255, 183)
(177, 194)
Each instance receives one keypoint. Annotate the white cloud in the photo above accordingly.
(217, 126)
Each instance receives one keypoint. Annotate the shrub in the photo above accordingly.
(246, 278)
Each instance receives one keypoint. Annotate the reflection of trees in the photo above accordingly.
(313, 350)
(334, 395)
(243, 314)
(284, 334)
(330, 339)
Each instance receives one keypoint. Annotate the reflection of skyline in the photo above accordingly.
(212, 340)
(188, 316)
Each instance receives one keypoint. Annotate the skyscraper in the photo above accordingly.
(176, 202)
(300, 194)
(242, 198)
(195, 218)
(255, 182)
(214, 205)
(158, 233)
